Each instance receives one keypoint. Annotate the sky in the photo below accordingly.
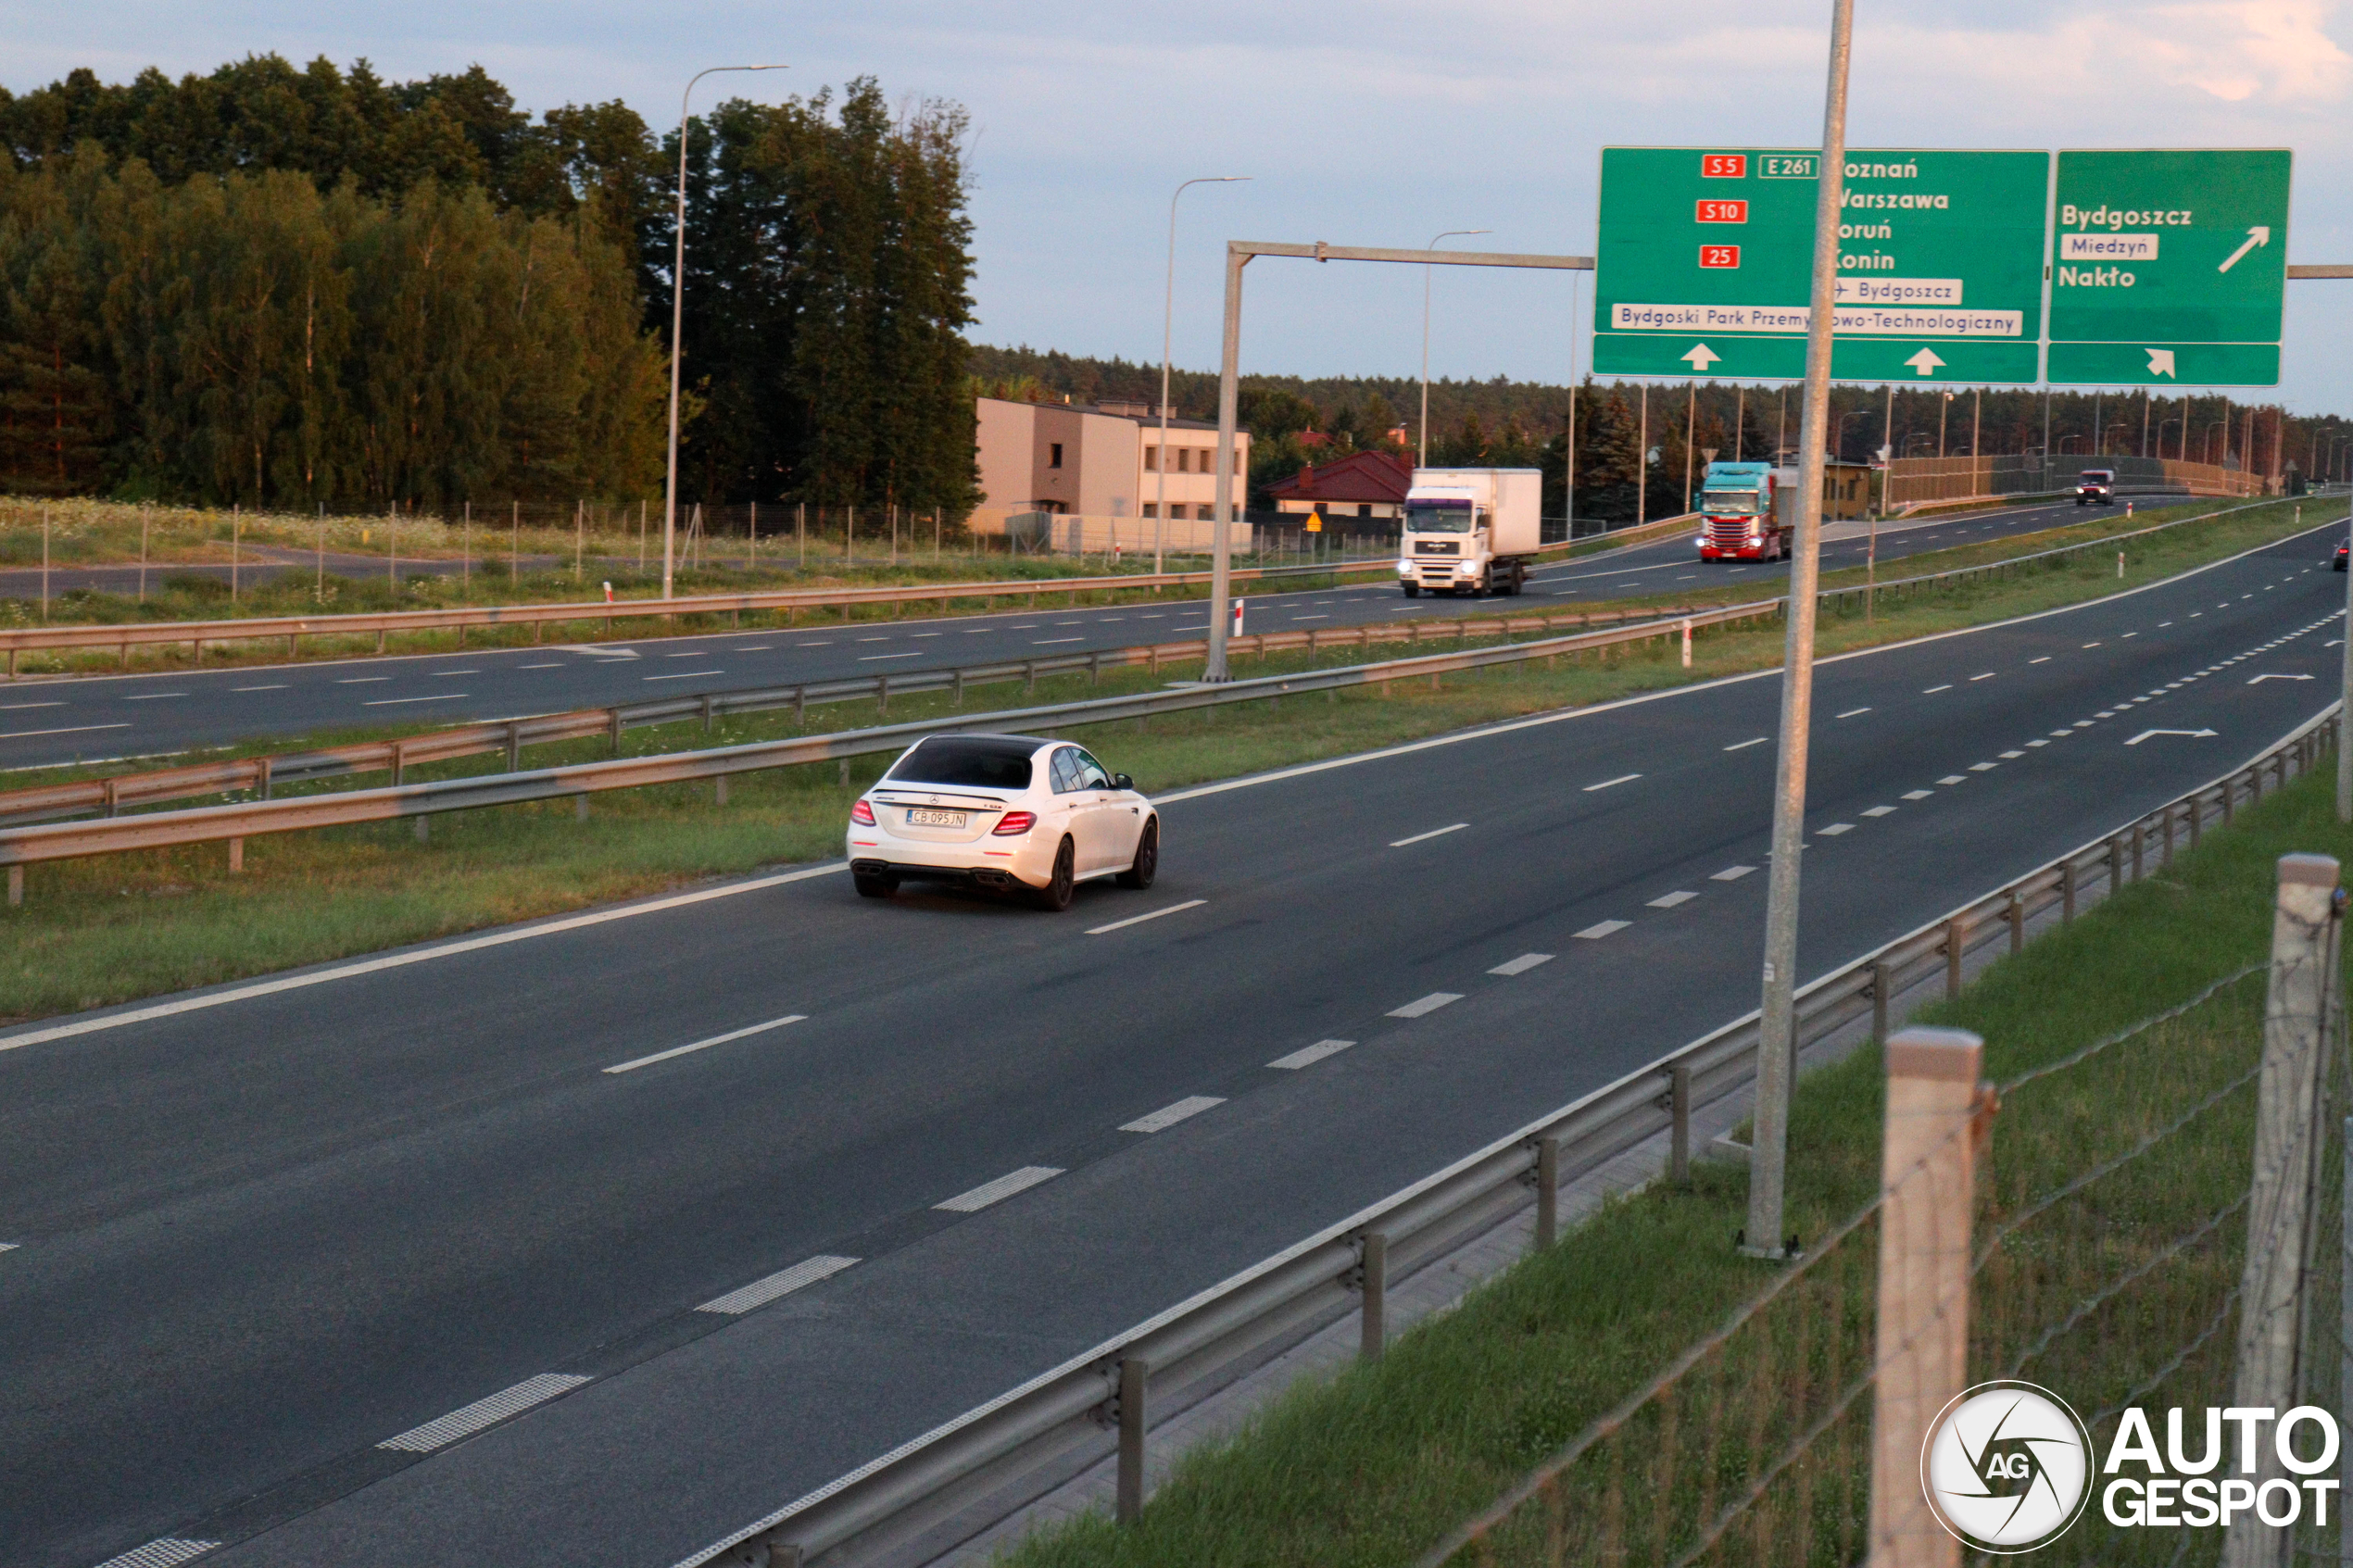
(1378, 123)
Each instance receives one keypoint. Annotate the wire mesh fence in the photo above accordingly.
(2156, 1224)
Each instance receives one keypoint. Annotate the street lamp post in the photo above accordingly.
(1421, 448)
(677, 321)
(1167, 332)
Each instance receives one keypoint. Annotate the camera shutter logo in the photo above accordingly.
(2007, 1467)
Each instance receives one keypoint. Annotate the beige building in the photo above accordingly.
(1100, 460)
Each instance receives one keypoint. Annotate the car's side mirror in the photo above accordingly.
(1121, 780)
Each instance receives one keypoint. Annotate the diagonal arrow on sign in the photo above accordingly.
(2279, 677)
(1702, 356)
(2194, 734)
(2160, 361)
(1925, 361)
(2259, 235)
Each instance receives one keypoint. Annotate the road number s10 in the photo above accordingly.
(1719, 257)
(1723, 166)
(1722, 212)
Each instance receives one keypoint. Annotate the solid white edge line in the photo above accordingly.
(1434, 833)
(1138, 920)
(705, 1044)
(402, 960)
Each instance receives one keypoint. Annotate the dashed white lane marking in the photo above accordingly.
(914, 636)
(1434, 833)
(918, 653)
(1879, 810)
(166, 1552)
(745, 1033)
(469, 1419)
(1987, 676)
(277, 688)
(1982, 767)
(1428, 1004)
(763, 647)
(2012, 756)
(361, 680)
(9, 1246)
(1138, 920)
(1307, 1056)
(684, 675)
(2038, 741)
(1731, 873)
(874, 639)
(1744, 746)
(445, 674)
(2044, 659)
(2128, 634)
(1612, 783)
(1596, 932)
(551, 664)
(1521, 964)
(396, 701)
(1834, 830)
(15, 706)
(1852, 712)
(1934, 690)
(1169, 1115)
(999, 1191)
(2061, 734)
(1917, 794)
(1049, 642)
(2083, 724)
(2091, 645)
(759, 1292)
(1952, 779)
(1668, 900)
(156, 696)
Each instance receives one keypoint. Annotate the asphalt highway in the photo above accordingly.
(734, 1191)
(43, 723)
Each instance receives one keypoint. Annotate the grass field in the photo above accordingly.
(1373, 1465)
(111, 928)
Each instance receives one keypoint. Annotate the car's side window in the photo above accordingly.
(1065, 770)
(1091, 772)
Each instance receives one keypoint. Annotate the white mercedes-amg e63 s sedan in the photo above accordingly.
(1012, 813)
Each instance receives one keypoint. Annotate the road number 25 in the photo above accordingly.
(1720, 256)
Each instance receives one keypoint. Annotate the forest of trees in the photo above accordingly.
(313, 288)
(1524, 424)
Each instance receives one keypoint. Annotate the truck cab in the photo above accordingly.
(1742, 508)
(1469, 530)
(2095, 485)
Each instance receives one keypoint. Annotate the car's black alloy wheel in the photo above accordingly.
(1147, 866)
(1057, 893)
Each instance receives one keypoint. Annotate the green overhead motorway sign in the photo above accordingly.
(1705, 257)
(2168, 268)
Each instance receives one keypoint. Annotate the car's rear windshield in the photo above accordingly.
(967, 761)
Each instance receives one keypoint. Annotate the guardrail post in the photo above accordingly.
(424, 830)
(960, 678)
(260, 776)
(1133, 1371)
(2115, 864)
(2198, 814)
(2016, 914)
(882, 694)
(16, 887)
(1882, 983)
(2140, 837)
(399, 762)
(2255, 785)
(1956, 941)
(1548, 1192)
(1376, 1271)
(612, 719)
(1929, 1168)
(1679, 1133)
(719, 790)
(2230, 798)
(1029, 674)
(2165, 853)
(113, 795)
(236, 855)
(706, 713)
(2066, 892)
(514, 746)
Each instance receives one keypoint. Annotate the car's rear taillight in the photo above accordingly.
(1015, 821)
(862, 813)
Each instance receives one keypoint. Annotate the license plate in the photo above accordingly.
(920, 818)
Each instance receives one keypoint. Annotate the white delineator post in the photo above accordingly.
(2287, 1140)
(2345, 704)
(1928, 1176)
(1776, 1053)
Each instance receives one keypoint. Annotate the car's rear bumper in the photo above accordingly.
(1026, 860)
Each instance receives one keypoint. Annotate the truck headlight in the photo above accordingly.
(1405, 567)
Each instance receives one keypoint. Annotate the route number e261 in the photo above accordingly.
(1720, 256)
(1723, 166)
(1722, 212)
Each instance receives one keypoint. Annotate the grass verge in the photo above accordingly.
(111, 928)
(1373, 1465)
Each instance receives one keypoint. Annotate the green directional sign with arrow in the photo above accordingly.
(1705, 260)
(2168, 267)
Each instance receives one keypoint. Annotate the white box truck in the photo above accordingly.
(1470, 531)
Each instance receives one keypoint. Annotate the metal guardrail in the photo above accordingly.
(124, 636)
(260, 775)
(1346, 1266)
